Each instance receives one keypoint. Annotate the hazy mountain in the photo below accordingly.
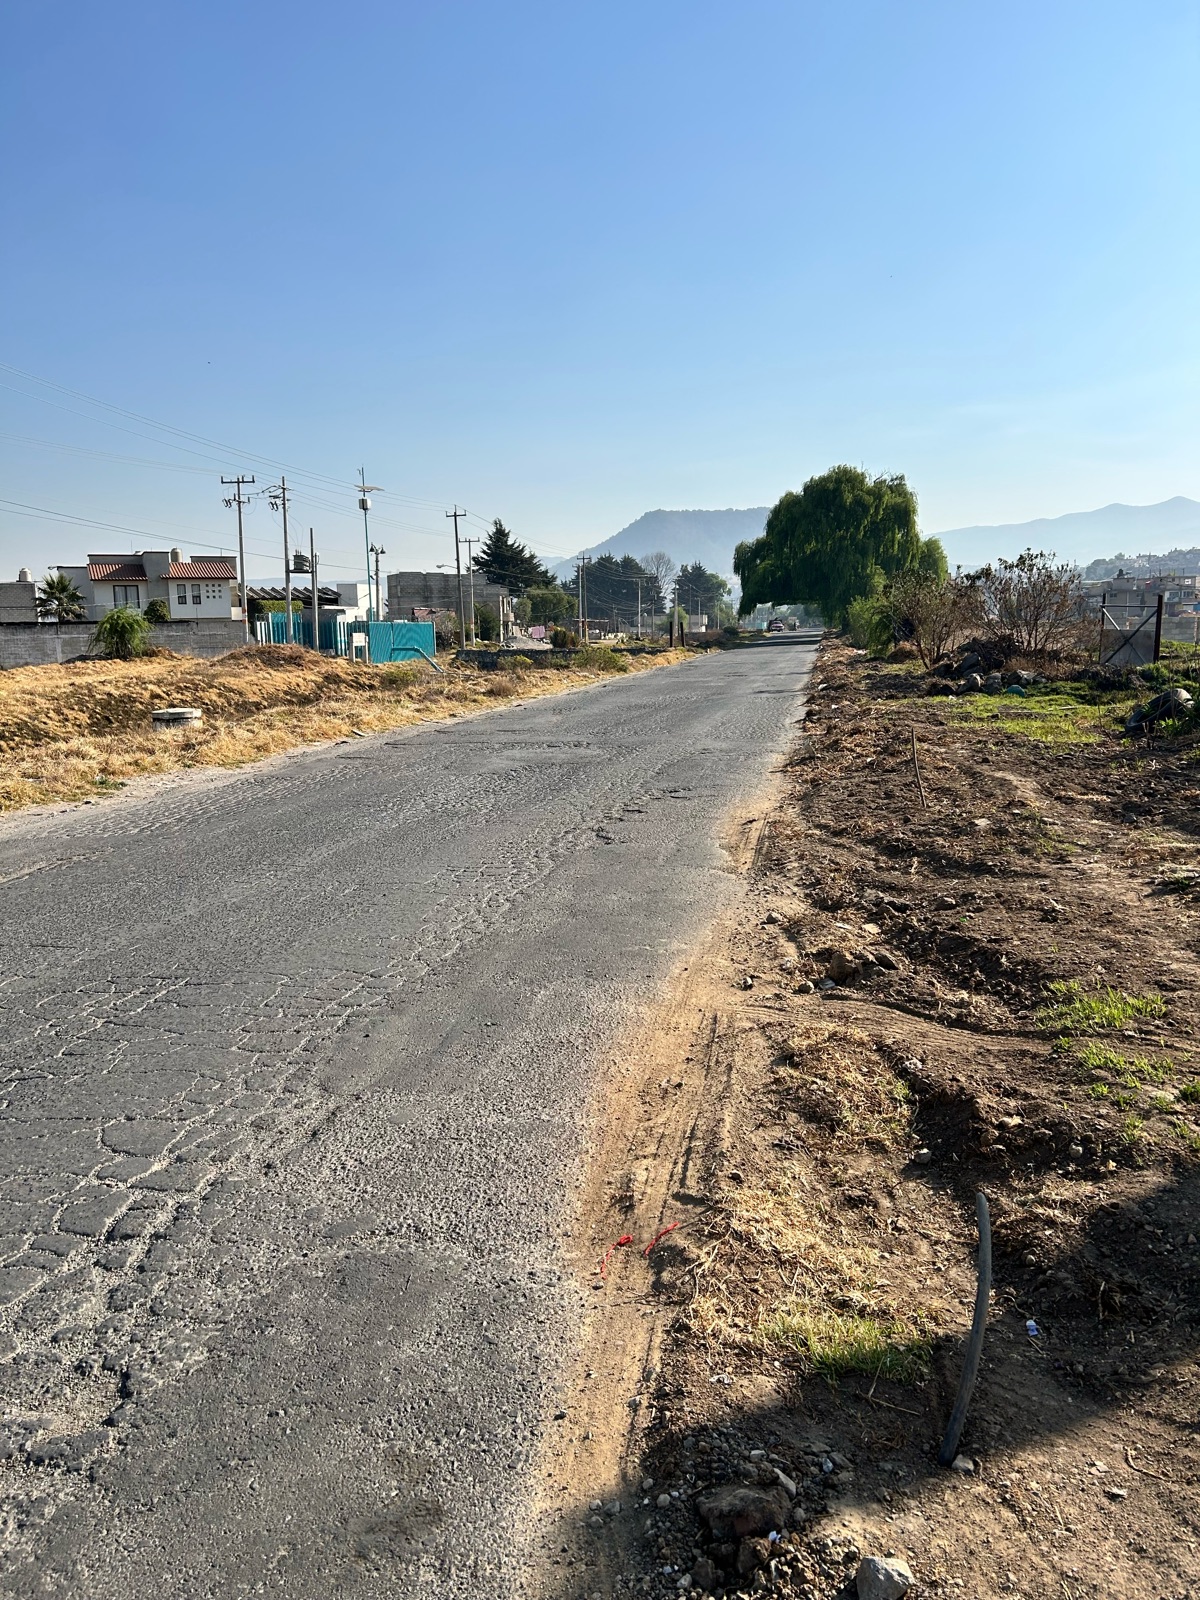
(1083, 536)
(1115, 535)
(686, 536)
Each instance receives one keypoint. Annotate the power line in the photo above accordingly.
(43, 513)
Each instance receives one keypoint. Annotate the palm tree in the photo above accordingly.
(59, 598)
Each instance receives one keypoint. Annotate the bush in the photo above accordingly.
(121, 634)
(934, 613)
(562, 639)
(869, 622)
(601, 658)
(157, 611)
(1029, 605)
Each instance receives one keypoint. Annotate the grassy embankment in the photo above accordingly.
(83, 730)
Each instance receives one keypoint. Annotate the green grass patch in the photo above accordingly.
(1065, 713)
(1188, 1135)
(1132, 1071)
(1072, 1009)
(835, 1343)
(1191, 1092)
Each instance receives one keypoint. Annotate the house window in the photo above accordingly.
(195, 594)
(181, 593)
(125, 594)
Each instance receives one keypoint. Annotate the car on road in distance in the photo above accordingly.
(775, 625)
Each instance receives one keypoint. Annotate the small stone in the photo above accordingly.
(704, 1574)
(786, 1483)
(734, 1511)
(882, 1578)
(945, 902)
(805, 986)
(1116, 1494)
(758, 1455)
(923, 1156)
(595, 1522)
(752, 1554)
(773, 917)
(962, 1464)
(747, 982)
(843, 968)
(982, 823)
(593, 1505)
(663, 1502)
(1075, 1151)
(647, 1483)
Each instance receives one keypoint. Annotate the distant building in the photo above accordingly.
(427, 592)
(205, 586)
(1180, 592)
(18, 601)
(349, 601)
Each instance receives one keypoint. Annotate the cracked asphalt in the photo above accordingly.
(296, 1065)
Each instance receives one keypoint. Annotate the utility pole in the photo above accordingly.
(312, 569)
(583, 598)
(462, 615)
(470, 544)
(377, 550)
(364, 505)
(239, 500)
(638, 581)
(278, 501)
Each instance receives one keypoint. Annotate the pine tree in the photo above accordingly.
(503, 560)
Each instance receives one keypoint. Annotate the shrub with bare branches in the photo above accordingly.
(934, 613)
(1030, 606)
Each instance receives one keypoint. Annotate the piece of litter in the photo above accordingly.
(661, 1234)
(1032, 1329)
(626, 1238)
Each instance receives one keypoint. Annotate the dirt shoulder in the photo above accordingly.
(992, 992)
(83, 730)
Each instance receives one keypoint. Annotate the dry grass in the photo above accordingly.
(796, 1274)
(83, 730)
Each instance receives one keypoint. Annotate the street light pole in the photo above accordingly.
(364, 505)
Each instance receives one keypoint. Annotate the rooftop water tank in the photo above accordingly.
(24, 576)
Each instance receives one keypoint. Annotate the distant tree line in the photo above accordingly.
(611, 587)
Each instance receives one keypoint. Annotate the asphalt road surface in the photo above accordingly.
(295, 1063)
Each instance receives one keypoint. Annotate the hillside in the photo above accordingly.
(686, 536)
(1082, 536)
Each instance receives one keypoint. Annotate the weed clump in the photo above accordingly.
(1071, 1010)
(833, 1344)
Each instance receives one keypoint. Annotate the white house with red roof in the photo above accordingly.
(205, 586)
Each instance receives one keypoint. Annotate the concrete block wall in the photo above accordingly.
(39, 644)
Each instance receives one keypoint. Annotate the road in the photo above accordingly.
(296, 1062)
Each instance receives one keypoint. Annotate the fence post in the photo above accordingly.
(1158, 626)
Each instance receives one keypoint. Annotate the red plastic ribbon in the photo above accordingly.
(626, 1238)
(670, 1228)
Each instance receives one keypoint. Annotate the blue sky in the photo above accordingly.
(565, 264)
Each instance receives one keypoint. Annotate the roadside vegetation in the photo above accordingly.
(82, 731)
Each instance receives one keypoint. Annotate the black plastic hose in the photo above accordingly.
(958, 1416)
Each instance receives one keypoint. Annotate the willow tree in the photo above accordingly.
(833, 542)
